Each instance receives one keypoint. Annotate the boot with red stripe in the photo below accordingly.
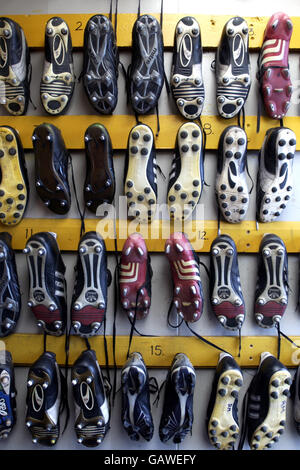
(89, 300)
(184, 264)
(226, 296)
(273, 63)
(47, 285)
(135, 277)
(271, 297)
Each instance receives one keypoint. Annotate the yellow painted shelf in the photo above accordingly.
(157, 351)
(201, 233)
(211, 28)
(73, 128)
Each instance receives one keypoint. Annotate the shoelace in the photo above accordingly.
(204, 144)
(281, 334)
(244, 427)
(81, 214)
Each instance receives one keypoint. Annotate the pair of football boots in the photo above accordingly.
(185, 180)
(51, 168)
(271, 294)
(233, 67)
(46, 400)
(264, 409)
(274, 177)
(177, 413)
(47, 296)
(58, 79)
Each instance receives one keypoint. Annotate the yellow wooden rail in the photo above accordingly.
(211, 28)
(157, 351)
(201, 233)
(73, 128)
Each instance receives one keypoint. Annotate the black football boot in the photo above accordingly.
(92, 414)
(8, 393)
(100, 66)
(15, 68)
(51, 168)
(58, 80)
(47, 284)
(177, 415)
(186, 74)
(10, 296)
(136, 410)
(146, 72)
(271, 296)
(89, 302)
(232, 68)
(275, 173)
(44, 398)
(226, 295)
(267, 402)
(100, 185)
(14, 185)
(222, 412)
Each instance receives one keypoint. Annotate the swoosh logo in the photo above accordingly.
(231, 171)
(238, 50)
(87, 396)
(58, 50)
(185, 50)
(37, 397)
(3, 52)
(284, 175)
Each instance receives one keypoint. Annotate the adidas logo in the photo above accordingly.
(151, 55)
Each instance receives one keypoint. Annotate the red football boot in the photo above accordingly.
(274, 74)
(188, 295)
(135, 277)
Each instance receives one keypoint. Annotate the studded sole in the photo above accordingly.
(42, 424)
(186, 80)
(272, 302)
(14, 93)
(187, 294)
(275, 81)
(91, 421)
(58, 78)
(185, 192)
(223, 430)
(227, 304)
(100, 75)
(277, 189)
(270, 430)
(147, 75)
(13, 190)
(233, 84)
(231, 185)
(140, 194)
(89, 308)
(134, 296)
(41, 303)
(50, 187)
(99, 184)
